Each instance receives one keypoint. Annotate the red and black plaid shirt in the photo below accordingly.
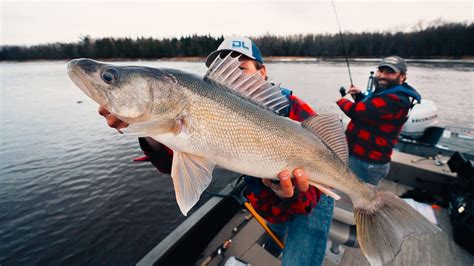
(263, 199)
(375, 125)
(271, 207)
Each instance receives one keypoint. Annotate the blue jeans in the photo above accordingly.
(306, 235)
(368, 172)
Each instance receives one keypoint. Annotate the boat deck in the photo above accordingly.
(435, 249)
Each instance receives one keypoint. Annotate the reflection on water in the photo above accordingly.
(68, 191)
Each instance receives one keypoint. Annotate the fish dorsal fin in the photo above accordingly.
(330, 129)
(225, 71)
(191, 176)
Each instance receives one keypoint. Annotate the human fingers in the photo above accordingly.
(116, 123)
(354, 90)
(301, 179)
(102, 111)
(267, 182)
(286, 186)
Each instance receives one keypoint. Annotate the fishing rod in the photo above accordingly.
(342, 90)
(242, 201)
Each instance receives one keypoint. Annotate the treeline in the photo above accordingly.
(451, 40)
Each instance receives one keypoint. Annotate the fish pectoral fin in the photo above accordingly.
(191, 176)
(326, 190)
(153, 128)
(330, 129)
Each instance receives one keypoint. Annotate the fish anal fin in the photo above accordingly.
(326, 190)
(330, 129)
(191, 176)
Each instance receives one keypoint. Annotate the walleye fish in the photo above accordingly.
(227, 118)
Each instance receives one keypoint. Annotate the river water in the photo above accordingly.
(69, 193)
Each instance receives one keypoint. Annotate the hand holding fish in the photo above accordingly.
(112, 120)
(286, 188)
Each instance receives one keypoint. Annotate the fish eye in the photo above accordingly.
(109, 75)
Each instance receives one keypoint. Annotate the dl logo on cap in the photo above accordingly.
(239, 44)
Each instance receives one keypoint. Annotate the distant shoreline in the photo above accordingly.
(465, 59)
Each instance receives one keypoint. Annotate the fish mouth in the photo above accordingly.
(84, 73)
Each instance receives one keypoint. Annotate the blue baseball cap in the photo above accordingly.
(237, 44)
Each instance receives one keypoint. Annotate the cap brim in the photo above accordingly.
(394, 68)
(212, 56)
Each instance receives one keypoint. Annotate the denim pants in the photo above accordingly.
(306, 235)
(368, 172)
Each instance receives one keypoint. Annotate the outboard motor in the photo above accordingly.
(423, 124)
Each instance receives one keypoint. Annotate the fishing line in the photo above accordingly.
(343, 44)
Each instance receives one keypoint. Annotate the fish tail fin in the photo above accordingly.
(384, 224)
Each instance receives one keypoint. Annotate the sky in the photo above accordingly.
(37, 22)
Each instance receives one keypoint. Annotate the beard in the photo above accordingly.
(388, 83)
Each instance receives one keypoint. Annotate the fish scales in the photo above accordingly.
(253, 141)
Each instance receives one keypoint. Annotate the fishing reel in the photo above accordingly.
(342, 91)
(370, 86)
